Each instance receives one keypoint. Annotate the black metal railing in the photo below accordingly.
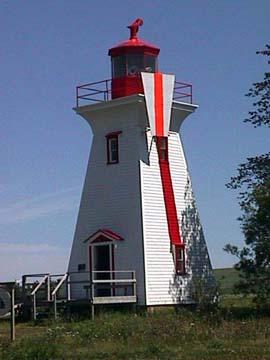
(101, 91)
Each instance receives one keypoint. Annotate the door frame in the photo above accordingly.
(91, 256)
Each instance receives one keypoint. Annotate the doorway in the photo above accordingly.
(102, 264)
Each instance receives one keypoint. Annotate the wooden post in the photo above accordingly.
(68, 288)
(12, 312)
(34, 307)
(92, 310)
(49, 288)
(55, 306)
(9, 287)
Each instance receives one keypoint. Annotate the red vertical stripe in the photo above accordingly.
(159, 118)
(165, 173)
(169, 200)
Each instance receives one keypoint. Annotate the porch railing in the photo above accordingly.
(99, 287)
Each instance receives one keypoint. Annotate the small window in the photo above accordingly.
(81, 267)
(113, 148)
(162, 147)
(119, 66)
(135, 64)
(150, 63)
(180, 267)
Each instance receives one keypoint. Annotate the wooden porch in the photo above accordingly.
(51, 292)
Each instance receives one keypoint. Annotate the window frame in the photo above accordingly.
(180, 264)
(109, 138)
(162, 148)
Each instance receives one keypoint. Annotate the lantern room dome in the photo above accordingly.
(129, 59)
(134, 46)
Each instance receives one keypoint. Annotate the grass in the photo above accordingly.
(226, 279)
(224, 334)
(236, 330)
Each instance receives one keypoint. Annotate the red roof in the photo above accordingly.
(103, 233)
(133, 46)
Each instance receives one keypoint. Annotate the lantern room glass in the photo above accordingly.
(133, 64)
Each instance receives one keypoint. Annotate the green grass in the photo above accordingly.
(226, 279)
(225, 334)
(236, 330)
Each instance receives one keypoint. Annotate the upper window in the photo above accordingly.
(162, 147)
(133, 64)
(113, 148)
(81, 267)
(180, 267)
(119, 64)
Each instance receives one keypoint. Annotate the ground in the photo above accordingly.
(234, 330)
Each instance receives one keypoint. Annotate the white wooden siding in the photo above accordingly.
(161, 284)
(111, 194)
(127, 198)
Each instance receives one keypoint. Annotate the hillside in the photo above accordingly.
(226, 278)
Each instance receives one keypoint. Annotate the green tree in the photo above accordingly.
(253, 183)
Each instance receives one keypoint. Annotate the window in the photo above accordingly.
(180, 268)
(119, 66)
(81, 267)
(150, 63)
(133, 64)
(113, 147)
(162, 147)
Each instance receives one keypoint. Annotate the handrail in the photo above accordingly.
(33, 294)
(60, 284)
(116, 280)
(39, 284)
(54, 293)
(35, 275)
(100, 91)
(112, 271)
(109, 281)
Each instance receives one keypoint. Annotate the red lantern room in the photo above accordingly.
(129, 59)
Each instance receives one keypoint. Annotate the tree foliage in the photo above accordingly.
(260, 91)
(253, 183)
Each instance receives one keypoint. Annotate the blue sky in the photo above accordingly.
(49, 47)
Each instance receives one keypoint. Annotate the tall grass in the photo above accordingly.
(162, 335)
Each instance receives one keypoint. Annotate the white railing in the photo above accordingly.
(34, 292)
(101, 287)
(55, 291)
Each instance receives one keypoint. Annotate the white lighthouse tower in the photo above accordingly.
(137, 211)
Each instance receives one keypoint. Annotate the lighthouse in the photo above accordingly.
(137, 214)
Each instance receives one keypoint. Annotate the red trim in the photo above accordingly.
(170, 206)
(112, 234)
(113, 134)
(103, 235)
(180, 269)
(132, 46)
(159, 118)
(168, 194)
